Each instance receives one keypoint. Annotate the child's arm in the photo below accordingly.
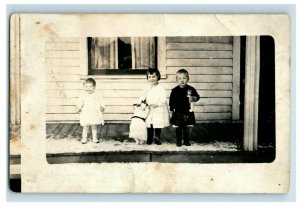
(102, 104)
(194, 96)
(79, 104)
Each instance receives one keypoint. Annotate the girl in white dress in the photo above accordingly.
(90, 105)
(156, 98)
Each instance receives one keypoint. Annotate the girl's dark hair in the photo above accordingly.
(152, 71)
(90, 80)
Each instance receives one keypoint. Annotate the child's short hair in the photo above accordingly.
(152, 71)
(182, 71)
(90, 80)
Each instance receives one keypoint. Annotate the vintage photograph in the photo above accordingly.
(107, 99)
(160, 99)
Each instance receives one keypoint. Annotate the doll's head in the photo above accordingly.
(182, 77)
(153, 76)
(89, 85)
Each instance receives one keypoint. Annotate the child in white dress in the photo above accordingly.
(156, 98)
(138, 128)
(90, 106)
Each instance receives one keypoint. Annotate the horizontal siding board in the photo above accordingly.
(195, 39)
(199, 46)
(118, 117)
(129, 109)
(63, 62)
(64, 40)
(173, 54)
(63, 70)
(132, 93)
(204, 78)
(62, 54)
(62, 46)
(201, 70)
(130, 85)
(198, 62)
(130, 101)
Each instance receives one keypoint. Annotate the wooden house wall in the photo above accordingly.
(209, 60)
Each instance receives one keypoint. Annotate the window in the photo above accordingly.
(121, 55)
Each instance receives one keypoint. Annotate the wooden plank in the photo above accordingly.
(57, 129)
(236, 79)
(205, 78)
(198, 62)
(103, 132)
(200, 39)
(63, 62)
(130, 101)
(66, 128)
(199, 46)
(63, 54)
(57, 70)
(174, 54)
(212, 116)
(63, 77)
(215, 101)
(55, 91)
(78, 131)
(161, 56)
(73, 129)
(201, 70)
(127, 117)
(62, 46)
(50, 128)
(129, 109)
(64, 40)
(112, 131)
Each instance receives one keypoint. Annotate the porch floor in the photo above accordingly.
(65, 138)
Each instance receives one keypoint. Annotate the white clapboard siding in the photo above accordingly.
(117, 117)
(133, 86)
(129, 109)
(201, 70)
(209, 61)
(201, 39)
(173, 54)
(199, 46)
(132, 93)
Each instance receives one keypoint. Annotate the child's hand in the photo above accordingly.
(192, 99)
(102, 109)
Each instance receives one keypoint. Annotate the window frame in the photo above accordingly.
(120, 74)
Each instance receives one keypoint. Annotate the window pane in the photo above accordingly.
(102, 53)
(124, 53)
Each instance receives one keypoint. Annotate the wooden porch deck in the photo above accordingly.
(200, 133)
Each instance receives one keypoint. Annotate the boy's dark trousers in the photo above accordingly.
(150, 133)
(185, 131)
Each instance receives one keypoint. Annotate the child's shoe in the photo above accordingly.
(83, 141)
(95, 140)
(187, 143)
(156, 141)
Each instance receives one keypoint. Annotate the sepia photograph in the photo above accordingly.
(125, 101)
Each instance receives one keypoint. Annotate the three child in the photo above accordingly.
(150, 112)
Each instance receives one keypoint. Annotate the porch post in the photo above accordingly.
(252, 68)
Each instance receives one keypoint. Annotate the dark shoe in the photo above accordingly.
(178, 144)
(187, 143)
(156, 141)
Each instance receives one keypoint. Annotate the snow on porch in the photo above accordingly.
(65, 138)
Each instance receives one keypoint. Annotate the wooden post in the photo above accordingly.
(251, 92)
(162, 55)
(236, 78)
